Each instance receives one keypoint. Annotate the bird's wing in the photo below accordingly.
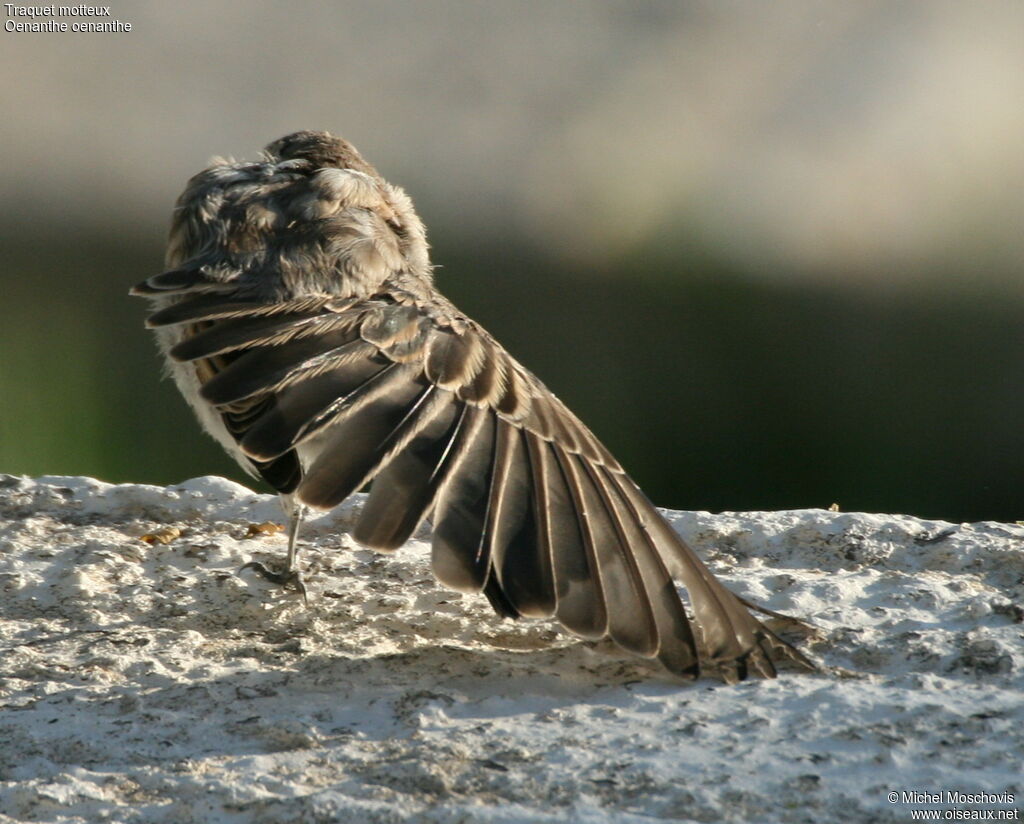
(526, 504)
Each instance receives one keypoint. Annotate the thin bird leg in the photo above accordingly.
(297, 514)
(290, 575)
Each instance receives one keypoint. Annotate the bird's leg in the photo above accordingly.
(295, 521)
(291, 575)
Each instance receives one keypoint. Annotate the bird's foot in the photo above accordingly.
(290, 577)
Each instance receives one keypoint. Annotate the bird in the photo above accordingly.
(299, 318)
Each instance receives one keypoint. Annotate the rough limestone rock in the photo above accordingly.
(143, 681)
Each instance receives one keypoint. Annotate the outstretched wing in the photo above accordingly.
(324, 394)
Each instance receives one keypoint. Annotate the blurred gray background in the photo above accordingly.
(771, 252)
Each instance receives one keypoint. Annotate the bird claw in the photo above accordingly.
(287, 578)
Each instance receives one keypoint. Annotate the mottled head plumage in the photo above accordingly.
(321, 149)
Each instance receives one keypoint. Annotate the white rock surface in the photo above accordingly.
(150, 683)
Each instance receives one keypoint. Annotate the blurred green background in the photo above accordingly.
(771, 254)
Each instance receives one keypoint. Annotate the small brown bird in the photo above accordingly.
(300, 320)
